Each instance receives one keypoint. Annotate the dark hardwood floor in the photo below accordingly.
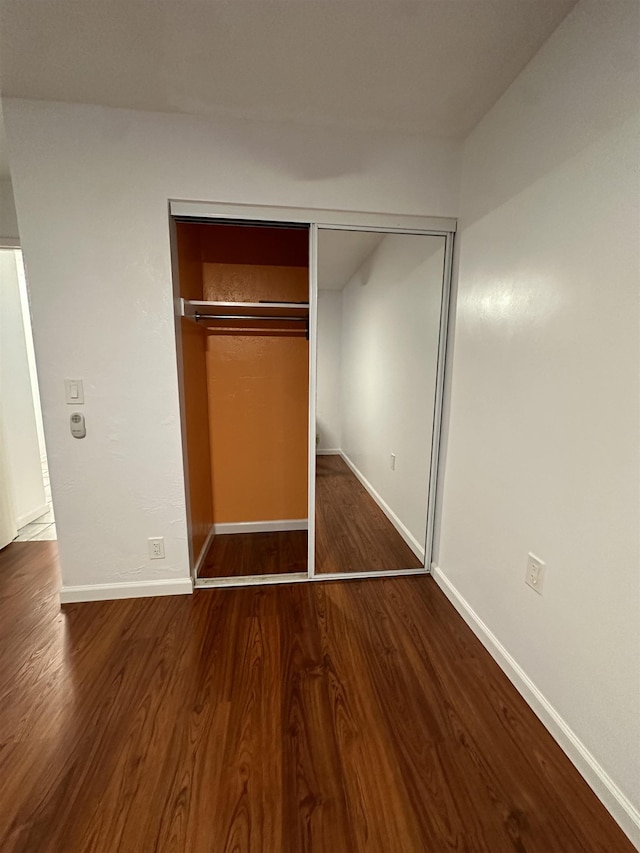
(352, 535)
(243, 554)
(345, 717)
(352, 532)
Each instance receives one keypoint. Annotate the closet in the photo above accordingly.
(311, 350)
(244, 360)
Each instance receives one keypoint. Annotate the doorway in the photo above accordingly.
(244, 368)
(25, 492)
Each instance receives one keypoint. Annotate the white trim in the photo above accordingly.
(408, 537)
(251, 580)
(301, 577)
(436, 431)
(313, 371)
(203, 552)
(260, 526)
(177, 302)
(360, 220)
(32, 515)
(385, 573)
(625, 814)
(133, 589)
(329, 451)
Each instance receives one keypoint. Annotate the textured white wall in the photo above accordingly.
(329, 375)
(8, 221)
(543, 451)
(91, 187)
(390, 322)
(18, 414)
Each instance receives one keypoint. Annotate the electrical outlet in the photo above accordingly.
(535, 573)
(156, 548)
(393, 462)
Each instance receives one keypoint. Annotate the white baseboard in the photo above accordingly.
(328, 451)
(203, 551)
(32, 515)
(133, 589)
(261, 526)
(411, 541)
(623, 811)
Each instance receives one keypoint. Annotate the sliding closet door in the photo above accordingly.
(380, 304)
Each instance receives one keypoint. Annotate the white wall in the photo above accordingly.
(8, 527)
(329, 376)
(31, 355)
(390, 323)
(16, 398)
(543, 451)
(91, 187)
(8, 220)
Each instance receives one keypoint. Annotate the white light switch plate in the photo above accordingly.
(73, 392)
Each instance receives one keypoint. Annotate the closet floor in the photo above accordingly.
(352, 532)
(243, 554)
(352, 535)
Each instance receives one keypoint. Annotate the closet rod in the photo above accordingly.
(199, 316)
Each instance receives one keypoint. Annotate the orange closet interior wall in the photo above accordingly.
(196, 408)
(258, 385)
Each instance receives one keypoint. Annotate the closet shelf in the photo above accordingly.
(238, 316)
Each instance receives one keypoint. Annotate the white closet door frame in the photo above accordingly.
(353, 219)
(318, 219)
(443, 337)
(313, 369)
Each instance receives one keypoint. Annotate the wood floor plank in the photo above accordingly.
(314, 785)
(346, 717)
(247, 808)
(377, 807)
(245, 554)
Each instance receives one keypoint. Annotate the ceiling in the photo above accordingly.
(426, 66)
(341, 254)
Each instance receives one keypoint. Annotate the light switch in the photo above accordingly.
(74, 392)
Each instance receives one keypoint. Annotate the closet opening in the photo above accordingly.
(243, 351)
(311, 353)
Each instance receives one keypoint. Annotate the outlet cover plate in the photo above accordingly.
(156, 548)
(535, 573)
